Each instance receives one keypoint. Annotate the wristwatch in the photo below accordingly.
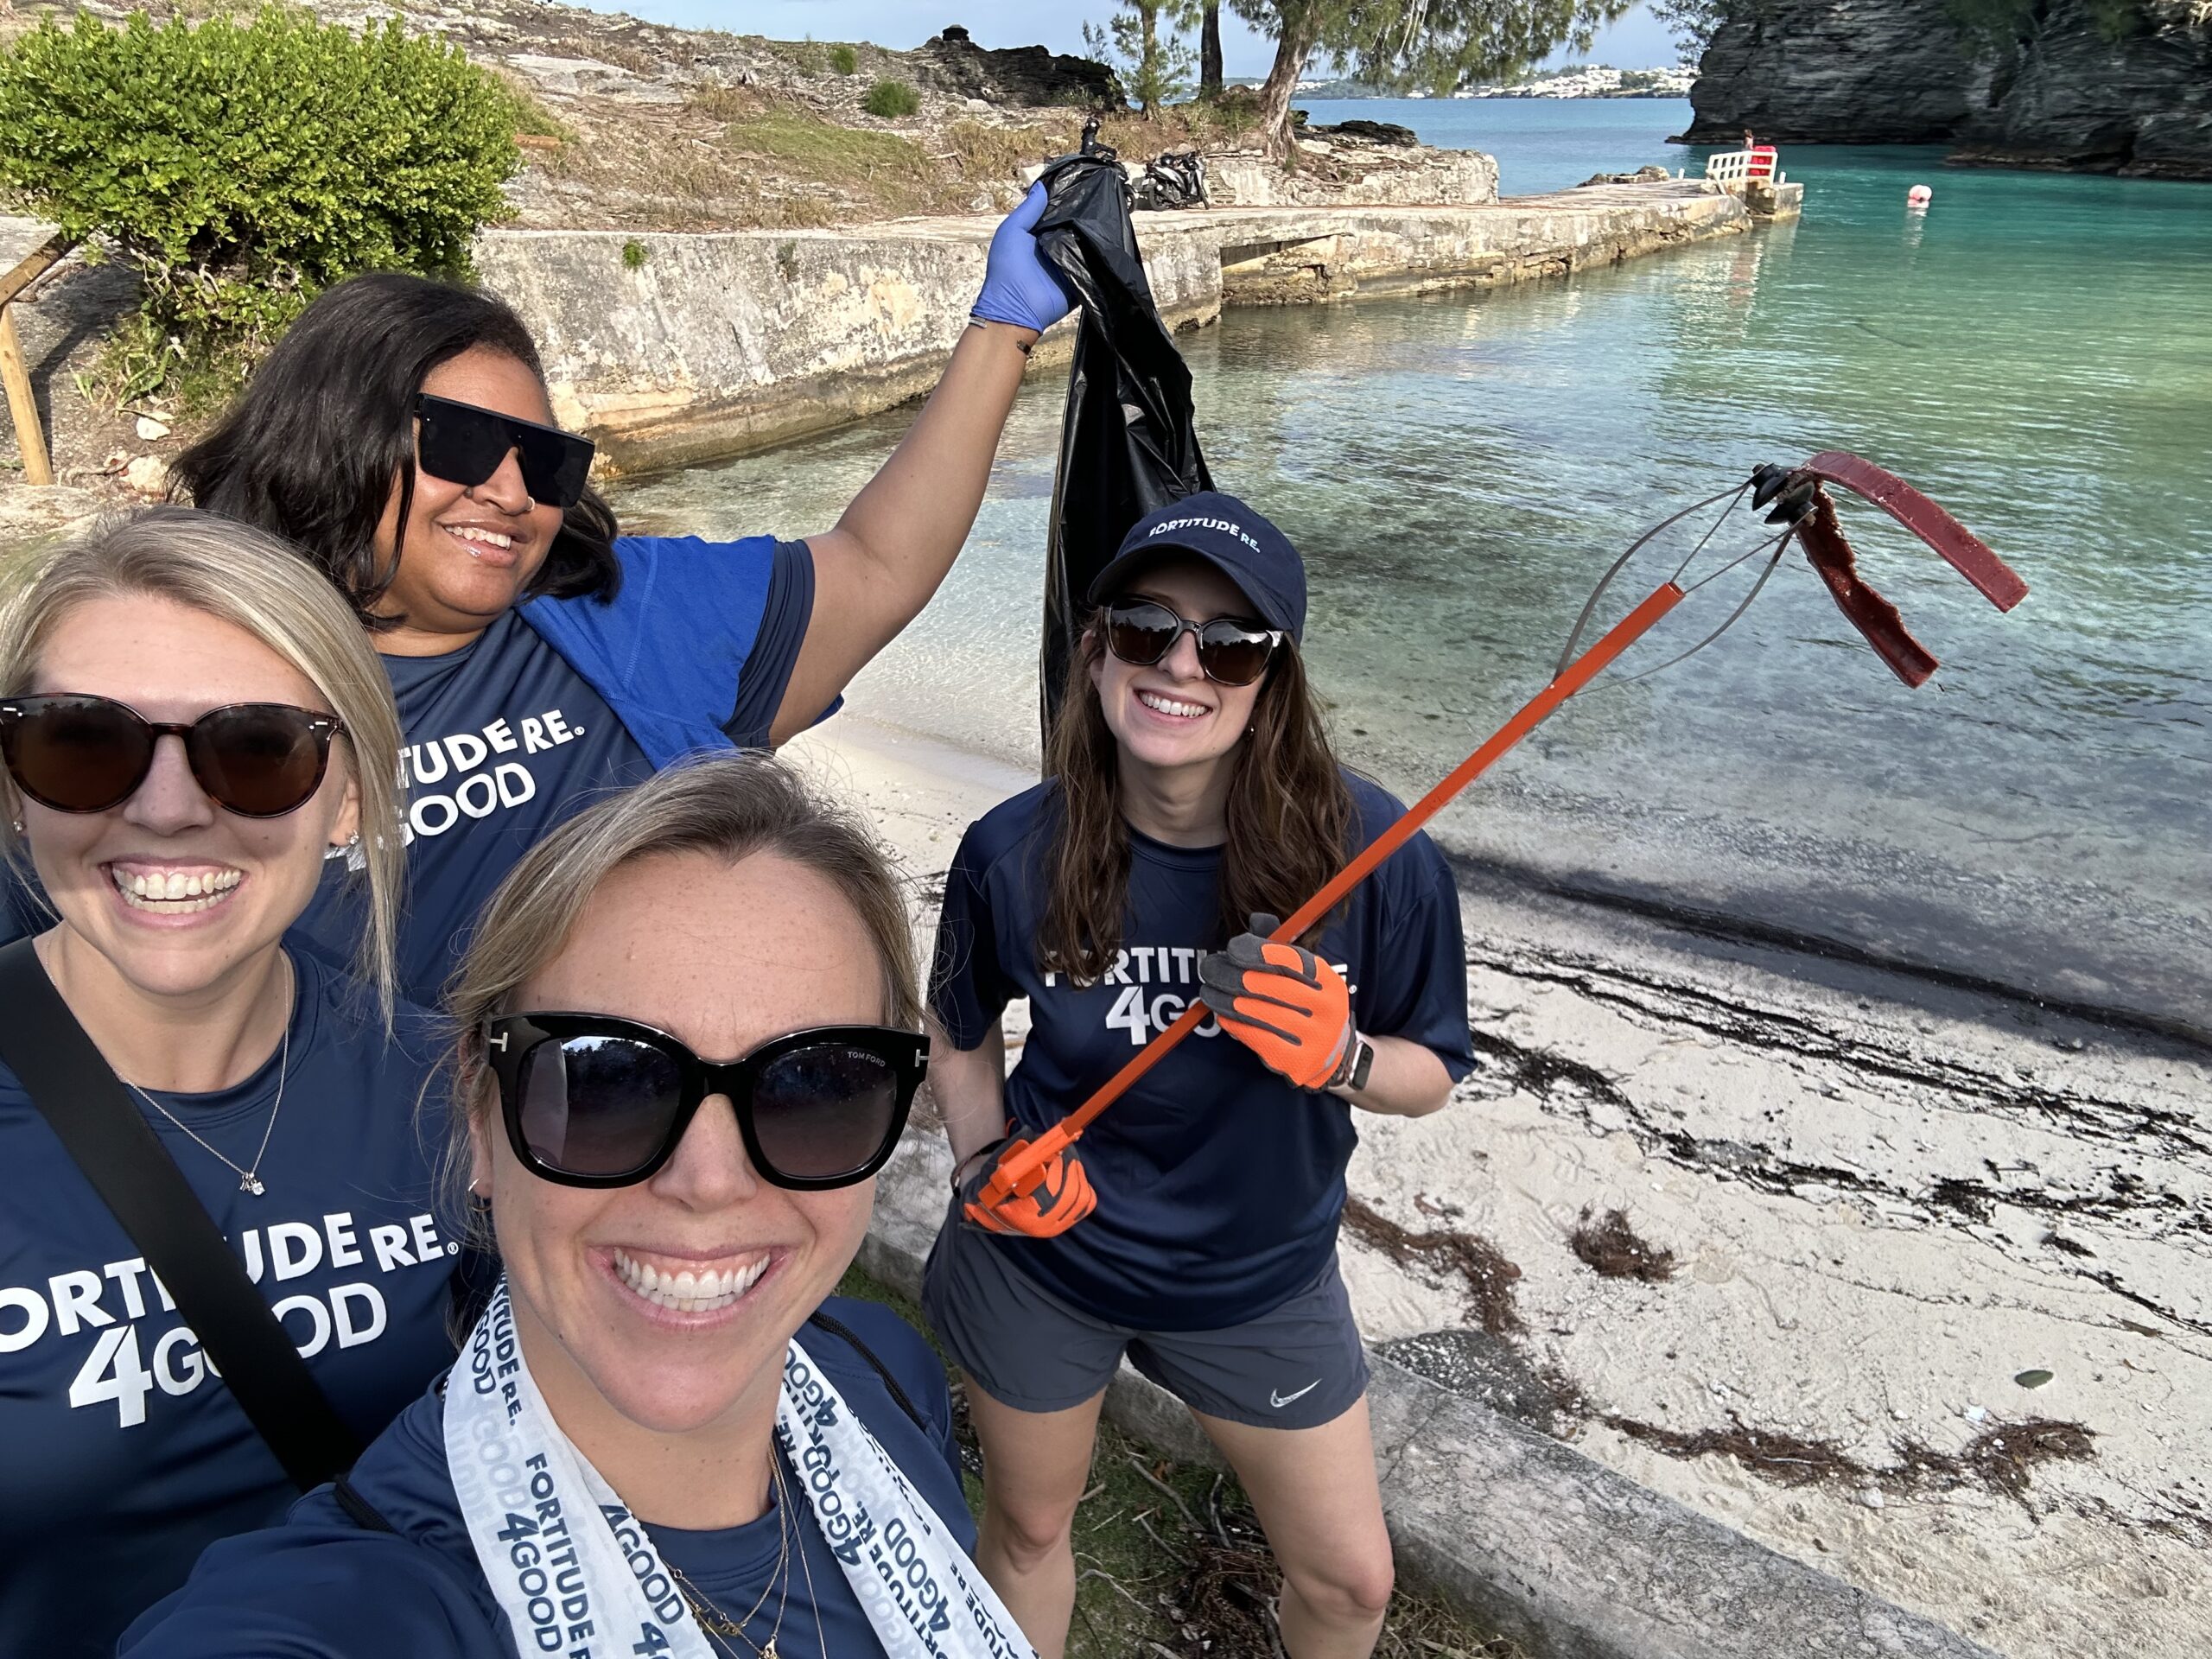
(1352, 1070)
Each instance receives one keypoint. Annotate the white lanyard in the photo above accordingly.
(578, 1577)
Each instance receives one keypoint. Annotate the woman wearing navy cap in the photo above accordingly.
(1191, 797)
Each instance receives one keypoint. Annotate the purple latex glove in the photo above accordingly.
(1019, 287)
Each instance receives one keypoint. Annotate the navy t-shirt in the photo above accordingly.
(505, 741)
(122, 1456)
(1219, 1183)
(323, 1588)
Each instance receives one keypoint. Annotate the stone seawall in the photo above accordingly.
(720, 344)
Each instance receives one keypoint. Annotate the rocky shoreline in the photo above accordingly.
(2064, 88)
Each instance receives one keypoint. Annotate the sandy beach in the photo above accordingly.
(1909, 1283)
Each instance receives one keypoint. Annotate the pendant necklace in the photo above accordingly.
(720, 1628)
(249, 1176)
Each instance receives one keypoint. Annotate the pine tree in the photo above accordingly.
(1436, 45)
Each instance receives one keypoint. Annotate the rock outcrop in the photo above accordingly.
(2061, 89)
(1028, 77)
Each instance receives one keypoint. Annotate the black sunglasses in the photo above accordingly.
(464, 445)
(1141, 631)
(591, 1100)
(86, 753)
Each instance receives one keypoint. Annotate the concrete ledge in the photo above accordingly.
(1532, 1538)
(710, 346)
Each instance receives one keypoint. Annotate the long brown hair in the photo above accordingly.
(1290, 816)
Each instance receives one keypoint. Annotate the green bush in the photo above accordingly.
(634, 255)
(844, 60)
(241, 167)
(890, 99)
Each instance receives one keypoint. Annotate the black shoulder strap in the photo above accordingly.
(97, 1123)
(837, 1327)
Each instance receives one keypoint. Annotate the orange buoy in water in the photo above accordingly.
(1919, 196)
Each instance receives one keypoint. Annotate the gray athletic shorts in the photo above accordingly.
(1297, 1366)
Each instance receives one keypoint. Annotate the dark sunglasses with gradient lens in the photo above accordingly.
(88, 754)
(591, 1100)
(464, 445)
(1141, 631)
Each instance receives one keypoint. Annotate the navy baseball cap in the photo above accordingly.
(1231, 536)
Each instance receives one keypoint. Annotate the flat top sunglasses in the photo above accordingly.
(464, 445)
(81, 754)
(1141, 631)
(595, 1100)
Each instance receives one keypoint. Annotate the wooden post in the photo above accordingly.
(22, 403)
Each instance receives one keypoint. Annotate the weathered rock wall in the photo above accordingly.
(1347, 173)
(2059, 91)
(720, 344)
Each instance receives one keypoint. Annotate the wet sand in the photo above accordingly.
(1889, 1206)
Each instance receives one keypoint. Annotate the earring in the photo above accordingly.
(16, 824)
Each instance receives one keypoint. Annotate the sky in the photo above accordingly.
(1636, 41)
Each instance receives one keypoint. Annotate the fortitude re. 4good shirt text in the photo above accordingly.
(1219, 1183)
(505, 739)
(122, 1453)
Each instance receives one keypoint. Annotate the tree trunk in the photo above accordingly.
(1210, 51)
(1293, 47)
(1148, 63)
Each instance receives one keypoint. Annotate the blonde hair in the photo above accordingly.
(248, 578)
(726, 806)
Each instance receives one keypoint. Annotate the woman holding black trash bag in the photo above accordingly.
(223, 1264)
(1190, 788)
(402, 435)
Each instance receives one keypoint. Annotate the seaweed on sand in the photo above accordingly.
(1610, 1248)
(1479, 1264)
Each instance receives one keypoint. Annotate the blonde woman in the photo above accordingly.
(191, 720)
(689, 1025)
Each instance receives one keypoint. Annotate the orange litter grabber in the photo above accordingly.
(1038, 1187)
(1023, 1194)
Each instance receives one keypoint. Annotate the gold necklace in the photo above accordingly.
(718, 1626)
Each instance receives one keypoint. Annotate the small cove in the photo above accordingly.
(2035, 351)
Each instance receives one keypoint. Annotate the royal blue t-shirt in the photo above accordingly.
(1219, 1183)
(122, 1456)
(324, 1588)
(506, 740)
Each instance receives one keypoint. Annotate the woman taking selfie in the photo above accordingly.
(401, 435)
(1190, 789)
(688, 1028)
(190, 719)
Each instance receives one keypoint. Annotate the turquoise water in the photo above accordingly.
(1540, 144)
(2036, 352)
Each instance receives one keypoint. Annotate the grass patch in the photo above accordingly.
(878, 172)
(1170, 1560)
(831, 154)
(531, 118)
(845, 61)
(892, 100)
(726, 103)
(982, 153)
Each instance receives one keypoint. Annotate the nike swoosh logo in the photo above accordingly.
(1278, 1400)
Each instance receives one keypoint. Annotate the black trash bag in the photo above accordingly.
(1128, 443)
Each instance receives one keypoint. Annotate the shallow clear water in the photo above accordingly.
(2035, 351)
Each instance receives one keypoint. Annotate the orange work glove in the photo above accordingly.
(1284, 1003)
(1051, 1201)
